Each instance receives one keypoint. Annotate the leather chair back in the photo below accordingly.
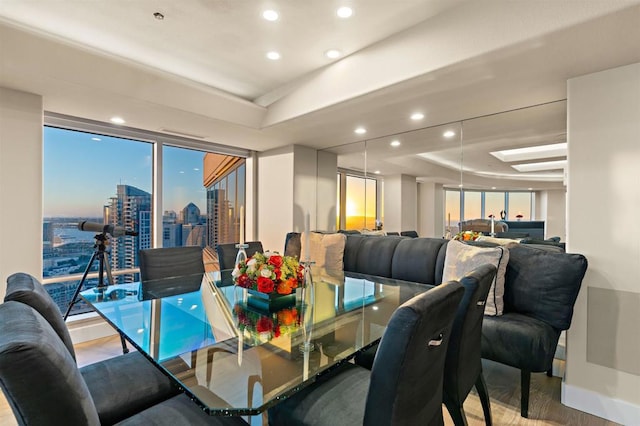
(407, 374)
(27, 289)
(170, 262)
(37, 373)
(463, 364)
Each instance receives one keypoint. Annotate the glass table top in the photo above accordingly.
(233, 354)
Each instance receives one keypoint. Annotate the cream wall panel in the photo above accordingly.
(603, 199)
(21, 127)
(275, 196)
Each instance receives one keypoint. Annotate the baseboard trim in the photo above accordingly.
(612, 409)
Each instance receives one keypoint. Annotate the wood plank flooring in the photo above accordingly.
(503, 383)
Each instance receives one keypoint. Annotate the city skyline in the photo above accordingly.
(72, 158)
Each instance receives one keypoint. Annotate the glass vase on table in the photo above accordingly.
(307, 299)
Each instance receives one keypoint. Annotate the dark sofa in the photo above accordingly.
(541, 287)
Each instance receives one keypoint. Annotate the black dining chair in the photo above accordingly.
(119, 386)
(159, 263)
(405, 383)
(463, 365)
(44, 386)
(227, 253)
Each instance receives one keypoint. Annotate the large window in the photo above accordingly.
(98, 179)
(360, 199)
(466, 205)
(109, 180)
(184, 198)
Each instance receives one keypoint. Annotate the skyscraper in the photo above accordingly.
(131, 209)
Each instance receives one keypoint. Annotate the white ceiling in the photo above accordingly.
(202, 71)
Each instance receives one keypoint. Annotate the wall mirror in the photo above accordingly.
(459, 155)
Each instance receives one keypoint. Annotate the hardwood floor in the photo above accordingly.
(503, 383)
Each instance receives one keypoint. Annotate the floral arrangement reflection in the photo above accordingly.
(260, 327)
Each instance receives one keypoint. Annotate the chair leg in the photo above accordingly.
(525, 381)
(457, 412)
(483, 393)
(125, 349)
(550, 372)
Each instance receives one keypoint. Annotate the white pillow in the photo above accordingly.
(463, 258)
(499, 241)
(326, 250)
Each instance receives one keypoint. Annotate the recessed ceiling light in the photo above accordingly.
(117, 120)
(417, 116)
(377, 172)
(544, 165)
(493, 187)
(270, 15)
(159, 16)
(273, 55)
(332, 53)
(460, 186)
(360, 130)
(96, 139)
(395, 143)
(449, 134)
(530, 189)
(532, 152)
(344, 12)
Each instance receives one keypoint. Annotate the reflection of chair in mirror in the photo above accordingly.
(43, 384)
(414, 345)
(133, 375)
(227, 253)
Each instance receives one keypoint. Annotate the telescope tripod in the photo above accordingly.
(101, 254)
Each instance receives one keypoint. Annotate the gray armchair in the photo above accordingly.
(119, 386)
(44, 386)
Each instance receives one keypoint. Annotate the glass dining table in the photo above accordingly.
(236, 357)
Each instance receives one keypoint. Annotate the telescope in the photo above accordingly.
(114, 231)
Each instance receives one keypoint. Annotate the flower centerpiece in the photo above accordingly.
(269, 273)
(467, 236)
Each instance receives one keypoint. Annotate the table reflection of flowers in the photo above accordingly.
(269, 273)
(467, 236)
(262, 327)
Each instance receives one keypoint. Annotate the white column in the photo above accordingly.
(21, 128)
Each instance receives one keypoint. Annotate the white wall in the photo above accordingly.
(293, 182)
(21, 127)
(400, 203)
(275, 197)
(327, 187)
(430, 210)
(603, 201)
(551, 207)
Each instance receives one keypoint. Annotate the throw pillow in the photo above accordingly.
(499, 241)
(462, 258)
(326, 250)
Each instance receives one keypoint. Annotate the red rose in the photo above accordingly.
(275, 260)
(265, 285)
(278, 273)
(276, 332)
(244, 281)
(264, 324)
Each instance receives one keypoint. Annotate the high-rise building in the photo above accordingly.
(131, 209)
(190, 215)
